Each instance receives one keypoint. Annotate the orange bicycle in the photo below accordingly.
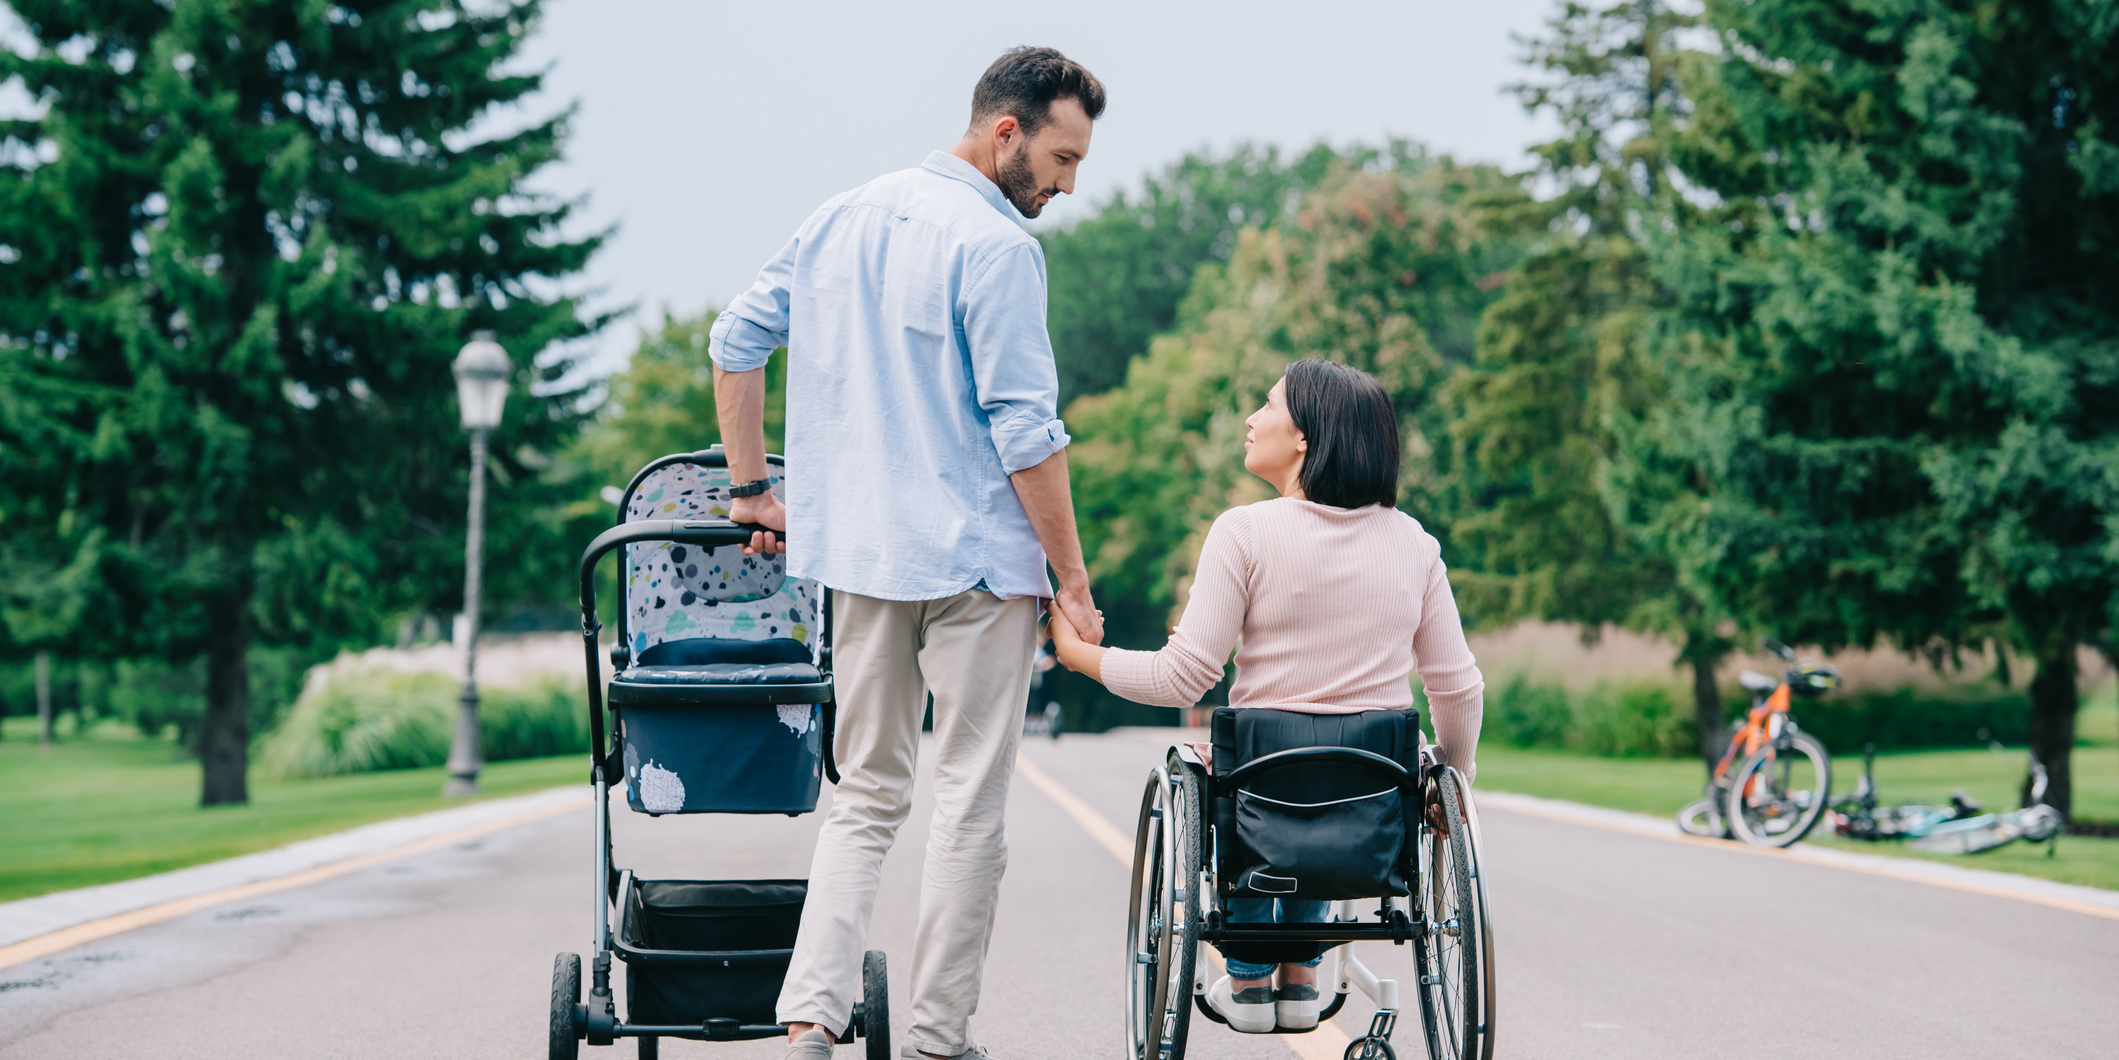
(1781, 780)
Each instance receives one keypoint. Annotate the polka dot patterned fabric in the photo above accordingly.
(681, 592)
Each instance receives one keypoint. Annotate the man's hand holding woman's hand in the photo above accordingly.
(1083, 619)
(764, 510)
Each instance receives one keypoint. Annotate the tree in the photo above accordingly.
(1892, 337)
(1117, 277)
(1564, 354)
(240, 248)
(1384, 268)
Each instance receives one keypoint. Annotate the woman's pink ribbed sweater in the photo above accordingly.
(1330, 610)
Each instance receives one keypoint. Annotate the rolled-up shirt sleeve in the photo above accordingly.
(1012, 372)
(1199, 647)
(745, 335)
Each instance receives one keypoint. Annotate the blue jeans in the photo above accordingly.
(1272, 911)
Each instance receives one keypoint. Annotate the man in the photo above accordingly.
(928, 489)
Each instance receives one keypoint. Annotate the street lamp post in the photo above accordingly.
(481, 389)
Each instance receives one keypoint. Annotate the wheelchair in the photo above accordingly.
(721, 702)
(1315, 806)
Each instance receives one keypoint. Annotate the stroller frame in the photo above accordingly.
(595, 1021)
(1179, 895)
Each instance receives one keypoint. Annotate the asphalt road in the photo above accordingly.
(1610, 945)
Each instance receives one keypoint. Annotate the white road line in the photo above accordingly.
(1327, 1042)
(2089, 901)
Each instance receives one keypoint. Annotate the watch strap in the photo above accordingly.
(750, 489)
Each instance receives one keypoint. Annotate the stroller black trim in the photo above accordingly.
(595, 1021)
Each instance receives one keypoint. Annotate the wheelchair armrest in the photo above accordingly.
(1302, 755)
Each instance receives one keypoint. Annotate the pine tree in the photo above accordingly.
(1893, 345)
(238, 252)
(1565, 353)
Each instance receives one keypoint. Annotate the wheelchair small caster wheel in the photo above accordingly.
(1370, 1049)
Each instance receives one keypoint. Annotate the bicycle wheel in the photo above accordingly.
(1779, 793)
(1703, 816)
(1455, 950)
(1162, 929)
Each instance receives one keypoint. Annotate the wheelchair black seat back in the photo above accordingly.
(1331, 828)
(721, 703)
(1345, 808)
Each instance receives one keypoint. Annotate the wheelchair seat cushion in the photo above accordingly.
(1330, 829)
(771, 673)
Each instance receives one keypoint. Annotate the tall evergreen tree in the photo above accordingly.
(1565, 351)
(238, 251)
(1893, 348)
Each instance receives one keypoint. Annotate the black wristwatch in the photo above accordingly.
(750, 489)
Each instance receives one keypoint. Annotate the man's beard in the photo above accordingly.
(1020, 184)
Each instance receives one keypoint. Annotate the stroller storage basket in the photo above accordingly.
(721, 757)
(697, 950)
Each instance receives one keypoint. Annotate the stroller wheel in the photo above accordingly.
(566, 1029)
(875, 1005)
(650, 1047)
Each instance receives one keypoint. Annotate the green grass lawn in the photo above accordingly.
(1660, 786)
(110, 805)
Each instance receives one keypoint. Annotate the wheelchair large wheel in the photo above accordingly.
(1456, 951)
(1162, 921)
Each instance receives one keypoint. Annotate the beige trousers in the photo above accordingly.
(973, 652)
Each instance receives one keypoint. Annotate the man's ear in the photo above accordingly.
(1006, 129)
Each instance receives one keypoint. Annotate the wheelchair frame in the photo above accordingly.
(1171, 913)
(596, 1021)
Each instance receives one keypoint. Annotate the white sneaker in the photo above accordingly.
(1250, 1011)
(976, 1052)
(813, 1044)
(1296, 1007)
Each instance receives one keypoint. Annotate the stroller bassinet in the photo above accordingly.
(721, 702)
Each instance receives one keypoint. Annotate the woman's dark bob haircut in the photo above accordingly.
(1346, 418)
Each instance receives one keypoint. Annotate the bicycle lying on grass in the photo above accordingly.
(1959, 828)
(1782, 777)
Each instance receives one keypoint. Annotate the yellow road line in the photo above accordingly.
(1327, 1042)
(67, 938)
(1527, 806)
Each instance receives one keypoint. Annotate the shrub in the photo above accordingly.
(1909, 718)
(379, 719)
(1634, 719)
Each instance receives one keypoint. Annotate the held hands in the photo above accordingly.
(1084, 622)
(765, 510)
(1067, 643)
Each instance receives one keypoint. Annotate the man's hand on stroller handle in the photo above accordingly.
(765, 510)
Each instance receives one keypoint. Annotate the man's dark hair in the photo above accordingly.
(1024, 81)
(1352, 432)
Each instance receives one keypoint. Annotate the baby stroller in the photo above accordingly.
(721, 703)
(1314, 806)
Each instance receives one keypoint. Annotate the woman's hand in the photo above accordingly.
(1068, 646)
(1064, 635)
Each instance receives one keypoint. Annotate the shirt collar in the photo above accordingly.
(949, 165)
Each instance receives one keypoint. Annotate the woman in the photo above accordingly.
(1330, 595)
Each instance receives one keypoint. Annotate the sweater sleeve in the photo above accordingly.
(1192, 661)
(1456, 693)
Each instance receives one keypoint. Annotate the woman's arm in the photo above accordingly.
(1192, 661)
(1456, 692)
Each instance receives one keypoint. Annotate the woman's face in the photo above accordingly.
(1273, 448)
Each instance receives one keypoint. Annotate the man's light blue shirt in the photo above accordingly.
(919, 377)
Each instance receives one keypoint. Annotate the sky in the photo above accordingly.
(704, 131)
(707, 130)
